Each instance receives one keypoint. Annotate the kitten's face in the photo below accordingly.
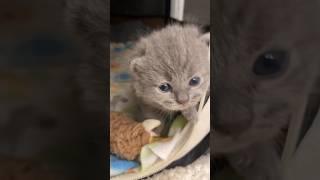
(266, 57)
(171, 71)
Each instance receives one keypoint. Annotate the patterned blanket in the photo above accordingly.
(120, 94)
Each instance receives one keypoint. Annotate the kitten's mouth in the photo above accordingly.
(175, 106)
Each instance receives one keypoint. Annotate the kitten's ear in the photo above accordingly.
(206, 38)
(137, 55)
(135, 65)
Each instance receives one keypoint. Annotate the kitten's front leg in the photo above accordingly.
(191, 114)
(151, 113)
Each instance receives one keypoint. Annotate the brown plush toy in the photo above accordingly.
(127, 136)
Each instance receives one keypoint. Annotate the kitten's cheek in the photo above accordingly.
(196, 98)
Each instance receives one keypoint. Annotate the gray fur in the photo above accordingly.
(174, 54)
(249, 111)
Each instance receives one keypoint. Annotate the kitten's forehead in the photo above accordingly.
(245, 9)
(249, 26)
(176, 52)
(270, 11)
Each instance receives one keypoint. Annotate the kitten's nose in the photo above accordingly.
(182, 98)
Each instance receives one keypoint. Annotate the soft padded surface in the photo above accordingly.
(200, 170)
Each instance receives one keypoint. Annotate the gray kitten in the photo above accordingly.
(265, 63)
(171, 71)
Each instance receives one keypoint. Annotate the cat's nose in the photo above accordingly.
(182, 98)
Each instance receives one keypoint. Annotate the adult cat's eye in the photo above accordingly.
(271, 63)
(194, 81)
(165, 87)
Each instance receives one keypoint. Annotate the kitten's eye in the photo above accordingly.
(194, 81)
(270, 63)
(165, 87)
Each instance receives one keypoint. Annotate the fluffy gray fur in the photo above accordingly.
(250, 111)
(173, 55)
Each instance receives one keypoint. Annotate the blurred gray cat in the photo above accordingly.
(171, 71)
(266, 60)
(89, 20)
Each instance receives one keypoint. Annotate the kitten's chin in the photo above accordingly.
(177, 107)
(166, 108)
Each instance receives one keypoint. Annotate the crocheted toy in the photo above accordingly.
(127, 136)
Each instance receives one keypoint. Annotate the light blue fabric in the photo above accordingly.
(119, 166)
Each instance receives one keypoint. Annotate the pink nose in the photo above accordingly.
(182, 98)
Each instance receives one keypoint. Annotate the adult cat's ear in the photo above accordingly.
(206, 38)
